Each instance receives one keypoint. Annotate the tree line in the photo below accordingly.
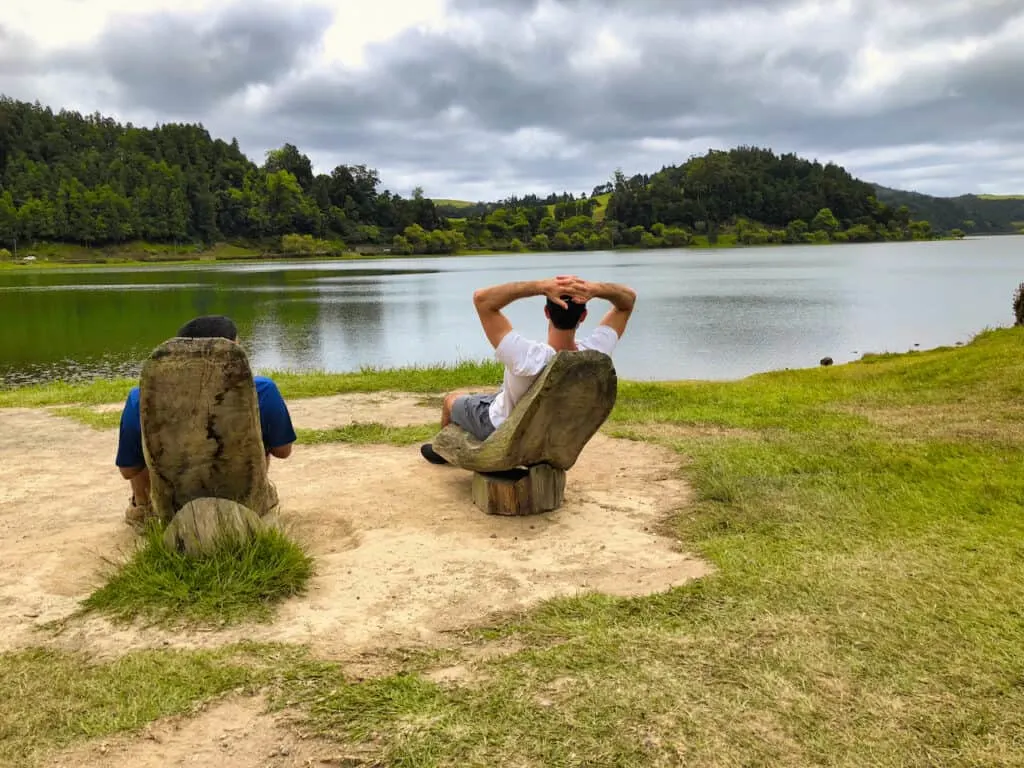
(90, 180)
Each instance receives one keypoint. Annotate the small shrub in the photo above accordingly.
(5, 255)
(1018, 305)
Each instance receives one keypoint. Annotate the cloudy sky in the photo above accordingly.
(477, 99)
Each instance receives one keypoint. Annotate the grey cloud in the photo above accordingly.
(184, 65)
(17, 57)
(677, 90)
(458, 108)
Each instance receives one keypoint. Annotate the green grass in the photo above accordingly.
(429, 379)
(136, 251)
(240, 581)
(865, 523)
(89, 417)
(54, 698)
(453, 203)
(372, 433)
(725, 240)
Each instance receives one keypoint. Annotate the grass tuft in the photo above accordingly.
(241, 581)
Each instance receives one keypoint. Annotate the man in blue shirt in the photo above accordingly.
(275, 422)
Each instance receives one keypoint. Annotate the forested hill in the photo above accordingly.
(995, 215)
(89, 180)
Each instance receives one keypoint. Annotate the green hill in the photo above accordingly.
(86, 181)
(975, 214)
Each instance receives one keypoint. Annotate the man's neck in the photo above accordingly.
(560, 340)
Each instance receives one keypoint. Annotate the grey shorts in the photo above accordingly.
(471, 412)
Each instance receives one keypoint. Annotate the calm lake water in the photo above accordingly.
(701, 314)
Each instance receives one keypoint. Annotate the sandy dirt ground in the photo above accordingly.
(402, 554)
(231, 733)
(402, 557)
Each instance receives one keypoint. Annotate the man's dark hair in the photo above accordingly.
(209, 327)
(566, 319)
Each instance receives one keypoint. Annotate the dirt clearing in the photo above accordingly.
(402, 554)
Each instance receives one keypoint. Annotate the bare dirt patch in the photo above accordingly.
(402, 554)
(231, 733)
(670, 432)
(951, 421)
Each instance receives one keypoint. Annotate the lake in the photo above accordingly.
(701, 314)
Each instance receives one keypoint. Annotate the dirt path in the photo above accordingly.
(402, 553)
(232, 733)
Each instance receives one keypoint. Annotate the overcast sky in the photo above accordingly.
(478, 99)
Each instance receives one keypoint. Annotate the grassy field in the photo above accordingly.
(452, 203)
(866, 526)
(1001, 197)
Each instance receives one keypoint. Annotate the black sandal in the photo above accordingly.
(431, 455)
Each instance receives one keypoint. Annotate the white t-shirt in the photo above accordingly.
(525, 359)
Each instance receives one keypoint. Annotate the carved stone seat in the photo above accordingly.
(520, 469)
(202, 441)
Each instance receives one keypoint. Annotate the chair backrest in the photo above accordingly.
(562, 410)
(201, 426)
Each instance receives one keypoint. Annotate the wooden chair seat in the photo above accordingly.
(201, 432)
(522, 465)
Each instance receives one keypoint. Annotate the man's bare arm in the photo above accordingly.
(490, 301)
(622, 298)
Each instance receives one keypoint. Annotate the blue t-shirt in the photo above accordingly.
(275, 423)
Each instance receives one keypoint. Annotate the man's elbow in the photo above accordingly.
(479, 298)
(281, 451)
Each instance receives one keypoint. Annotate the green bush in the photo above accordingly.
(308, 245)
(1018, 305)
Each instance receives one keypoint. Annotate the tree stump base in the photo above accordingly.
(516, 492)
(203, 526)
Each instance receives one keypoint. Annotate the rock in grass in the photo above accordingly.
(204, 525)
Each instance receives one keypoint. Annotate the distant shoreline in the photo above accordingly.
(239, 256)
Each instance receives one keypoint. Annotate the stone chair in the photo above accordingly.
(520, 469)
(202, 442)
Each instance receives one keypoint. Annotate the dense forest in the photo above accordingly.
(86, 179)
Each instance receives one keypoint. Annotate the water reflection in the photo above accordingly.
(710, 314)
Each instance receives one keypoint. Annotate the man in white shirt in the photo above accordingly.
(566, 309)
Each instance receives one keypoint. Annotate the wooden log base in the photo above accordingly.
(541, 488)
(204, 525)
